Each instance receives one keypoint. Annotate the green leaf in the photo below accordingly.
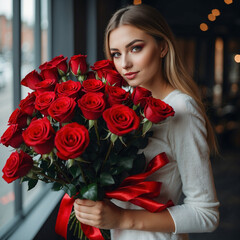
(106, 179)
(57, 186)
(97, 164)
(146, 126)
(90, 192)
(70, 189)
(75, 171)
(32, 183)
(126, 162)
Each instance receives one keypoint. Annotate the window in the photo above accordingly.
(15, 200)
(6, 95)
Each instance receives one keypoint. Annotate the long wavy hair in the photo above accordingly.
(149, 20)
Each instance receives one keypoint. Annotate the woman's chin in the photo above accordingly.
(133, 83)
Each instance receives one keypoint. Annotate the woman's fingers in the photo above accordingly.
(102, 214)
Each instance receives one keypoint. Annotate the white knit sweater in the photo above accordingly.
(183, 139)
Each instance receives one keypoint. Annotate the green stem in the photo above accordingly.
(60, 170)
(49, 178)
(108, 153)
(84, 178)
(96, 131)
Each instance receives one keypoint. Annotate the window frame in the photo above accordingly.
(20, 211)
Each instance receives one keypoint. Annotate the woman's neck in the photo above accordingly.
(160, 89)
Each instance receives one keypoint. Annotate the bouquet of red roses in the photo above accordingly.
(80, 130)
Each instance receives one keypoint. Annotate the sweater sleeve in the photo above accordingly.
(187, 136)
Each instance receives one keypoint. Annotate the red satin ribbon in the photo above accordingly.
(133, 189)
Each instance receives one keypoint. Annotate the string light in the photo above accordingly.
(204, 27)
(237, 58)
(216, 12)
(137, 2)
(228, 1)
(211, 17)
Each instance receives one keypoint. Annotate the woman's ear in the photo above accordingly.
(163, 49)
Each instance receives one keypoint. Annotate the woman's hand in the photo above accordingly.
(101, 214)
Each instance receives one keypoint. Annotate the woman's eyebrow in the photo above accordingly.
(132, 42)
(128, 45)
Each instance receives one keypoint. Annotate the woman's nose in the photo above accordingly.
(126, 62)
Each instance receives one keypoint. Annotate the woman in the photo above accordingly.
(142, 47)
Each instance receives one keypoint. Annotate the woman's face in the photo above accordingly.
(136, 55)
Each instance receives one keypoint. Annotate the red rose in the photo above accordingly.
(50, 72)
(40, 136)
(31, 79)
(62, 109)
(12, 136)
(60, 62)
(156, 110)
(121, 119)
(18, 117)
(139, 95)
(17, 166)
(100, 65)
(71, 141)
(93, 85)
(43, 101)
(78, 64)
(45, 65)
(27, 104)
(92, 105)
(62, 66)
(116, 95)
(69, 88)
(52, 62)
(46, 85)
(113, 77)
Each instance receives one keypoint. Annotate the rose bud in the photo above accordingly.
(78, 64)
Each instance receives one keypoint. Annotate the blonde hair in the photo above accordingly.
(149, 20)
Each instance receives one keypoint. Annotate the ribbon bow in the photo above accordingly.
(133, 189)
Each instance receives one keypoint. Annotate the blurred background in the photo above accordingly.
(208, 34)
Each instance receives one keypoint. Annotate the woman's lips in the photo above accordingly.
(130, 75)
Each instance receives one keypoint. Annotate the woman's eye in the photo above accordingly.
(115, 55)
(137, 48)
